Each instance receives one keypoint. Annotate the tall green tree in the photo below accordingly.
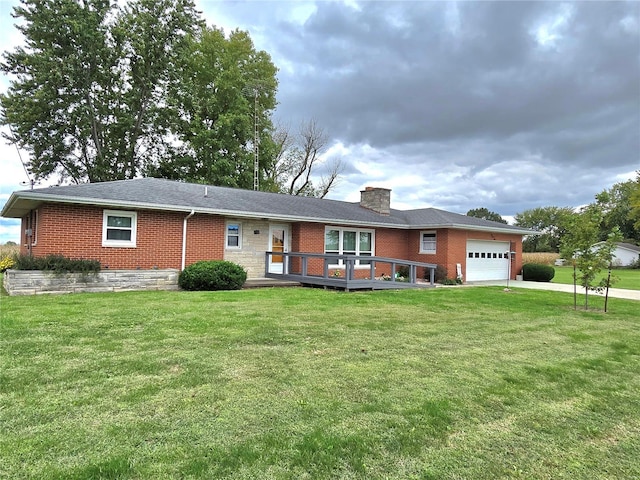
(486, 214)
(89, 87)
(616, 206)
(551, 222)
(226, 91)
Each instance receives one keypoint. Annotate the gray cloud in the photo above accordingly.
(509, 105)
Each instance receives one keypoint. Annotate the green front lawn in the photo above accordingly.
(622, 277)
(467, 383)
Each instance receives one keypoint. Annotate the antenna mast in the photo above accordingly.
(256, 164)
(32, 181)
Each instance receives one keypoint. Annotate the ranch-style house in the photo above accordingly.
(151, 223)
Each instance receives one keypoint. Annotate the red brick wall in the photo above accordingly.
(392, 243)
(75, 231)
(307, 238)
(205, 238)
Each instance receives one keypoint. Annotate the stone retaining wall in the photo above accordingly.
(32, 282)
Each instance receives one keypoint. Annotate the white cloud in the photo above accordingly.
(551, 31)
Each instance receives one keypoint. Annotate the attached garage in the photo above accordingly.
(487, 260)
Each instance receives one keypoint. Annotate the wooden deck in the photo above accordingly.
(351, 271)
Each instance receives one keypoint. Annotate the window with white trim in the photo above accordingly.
(119, 228)
(349, 241)
(233, 235)
(428, 242)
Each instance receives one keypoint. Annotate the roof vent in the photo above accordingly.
(376, 199)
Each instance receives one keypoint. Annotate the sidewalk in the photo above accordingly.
(560, 287)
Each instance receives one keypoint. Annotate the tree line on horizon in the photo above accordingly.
(615, 210)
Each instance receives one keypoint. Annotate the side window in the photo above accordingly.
(119, 228)
(234, 235)
(427, 242)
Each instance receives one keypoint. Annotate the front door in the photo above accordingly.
(278, 243)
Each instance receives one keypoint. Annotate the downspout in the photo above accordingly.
(184, 238)
(29, 233)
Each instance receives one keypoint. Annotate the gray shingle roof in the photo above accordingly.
(160, 194)
(629, 246)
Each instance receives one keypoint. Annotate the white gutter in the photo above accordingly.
(184, 238)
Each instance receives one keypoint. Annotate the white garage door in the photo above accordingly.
(487, 260)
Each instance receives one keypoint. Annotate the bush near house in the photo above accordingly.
(439, 276)
(212, 275)
(56, 263)
(536, 272)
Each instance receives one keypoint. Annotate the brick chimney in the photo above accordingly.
(376, 199)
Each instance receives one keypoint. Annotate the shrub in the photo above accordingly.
(212, 275)
(6, 263)
(56, 263)
(8, 253)
(537, 272)
(441, 276)
(403, 271)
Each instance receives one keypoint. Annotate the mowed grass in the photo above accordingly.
(457, 383)
(621, 277)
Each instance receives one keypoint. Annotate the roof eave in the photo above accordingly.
(37, 199)
(480, 228)
(8, 206)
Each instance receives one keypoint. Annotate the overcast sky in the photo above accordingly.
(503, 105)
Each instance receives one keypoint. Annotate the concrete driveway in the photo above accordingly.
(559, 287)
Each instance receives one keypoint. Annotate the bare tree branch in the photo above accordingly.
(330, 179)
(298, 157)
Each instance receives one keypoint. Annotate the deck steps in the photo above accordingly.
(269, 282)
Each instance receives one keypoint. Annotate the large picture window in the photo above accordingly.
(347, 241)
(428, 242)
(119, 228)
